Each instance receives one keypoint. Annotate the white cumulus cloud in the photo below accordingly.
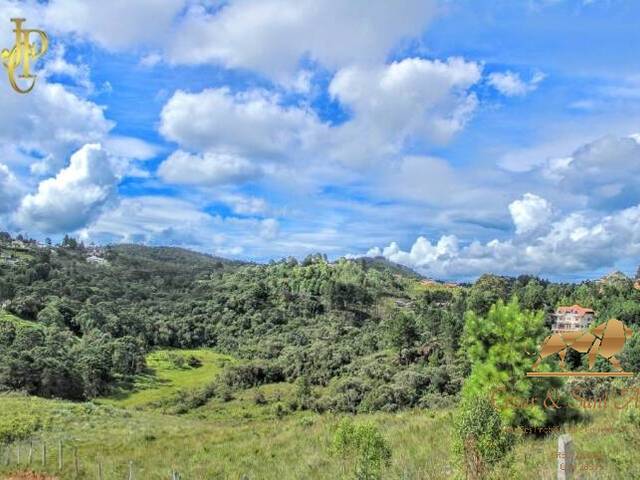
(50, 120)
(606, 171)
(74, 197)
(530, 213)
(114, 24)
(272, 36)
(209, 169)
(576, 243)
(252, 123)
(414, 97)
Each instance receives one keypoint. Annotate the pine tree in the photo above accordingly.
(501, 348)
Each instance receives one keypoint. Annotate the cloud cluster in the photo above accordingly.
(158, 220)
(114, 25)
(273, 36)
(9, 190)
(411, 98)
(253, 123)
(74, 197)
(50, 120)
(575, 243)
(389, 106)
(209, 169)
(605, 172)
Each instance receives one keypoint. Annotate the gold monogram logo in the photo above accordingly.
(23, 54)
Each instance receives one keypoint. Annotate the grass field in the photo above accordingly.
(294, 447)
(168, 373)
(243, 438)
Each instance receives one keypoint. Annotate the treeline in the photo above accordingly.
(354, 335)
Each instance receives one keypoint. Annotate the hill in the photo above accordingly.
(362, 334)
(196, 347)
(384, 265)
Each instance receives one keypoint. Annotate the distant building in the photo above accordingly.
(428, 282)
(570, 318)
(96, 260)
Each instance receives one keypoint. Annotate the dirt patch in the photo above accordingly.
(28, 476)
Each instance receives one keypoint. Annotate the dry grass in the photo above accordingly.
(28, 476)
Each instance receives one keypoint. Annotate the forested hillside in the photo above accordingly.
(353, 335)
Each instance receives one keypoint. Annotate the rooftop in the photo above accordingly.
(577, 309)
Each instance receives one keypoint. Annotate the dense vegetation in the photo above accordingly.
(249, 347)
(352, 335)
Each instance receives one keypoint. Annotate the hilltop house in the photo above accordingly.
(97, 260)
(574, 317)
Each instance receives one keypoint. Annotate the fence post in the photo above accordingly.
(130, 470)
(30, 451)
(44, 453)
(100, 471)
(18, 453)
(75, 461)
(566, 457)
(60, 455)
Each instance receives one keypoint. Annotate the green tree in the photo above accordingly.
(401, 329)
(487, 290)
(631, 354)
(500, 347)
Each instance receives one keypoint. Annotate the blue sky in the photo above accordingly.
(455, 137)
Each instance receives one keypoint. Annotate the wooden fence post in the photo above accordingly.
(100, 471)
(60, 461)
(566, 458)
(18, 454)
(75, 461)
(130, 470)
(44, 453)
(30, 451)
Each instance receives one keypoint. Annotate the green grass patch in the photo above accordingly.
(296, 446)
(18, 322)
(169, 372)
(202, 444)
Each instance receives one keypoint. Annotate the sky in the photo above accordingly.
(454, 137)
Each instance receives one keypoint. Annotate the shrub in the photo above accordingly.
(259, 398)
(629, 417)
(480, 439)
(18, 427)
(194, 362)
(363, 447)
(176, 360)
(252, 375)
